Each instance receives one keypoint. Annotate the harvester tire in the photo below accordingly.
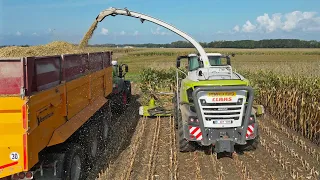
(251, 144)
(74, 163)
(184, 144)
(175, 111)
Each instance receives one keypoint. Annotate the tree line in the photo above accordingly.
(244, 44)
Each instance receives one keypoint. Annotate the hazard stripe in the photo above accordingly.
(195, 130)
(200, 134)
(8, 165)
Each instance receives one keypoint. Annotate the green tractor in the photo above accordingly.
(214, 106)
(121, 92)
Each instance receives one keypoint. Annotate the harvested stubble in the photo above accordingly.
(53, 48)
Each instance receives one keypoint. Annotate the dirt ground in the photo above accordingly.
(146, 149)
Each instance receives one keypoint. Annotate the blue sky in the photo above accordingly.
(41, 21)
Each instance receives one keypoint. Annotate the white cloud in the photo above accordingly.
(236, 28)
(293, 21)
(35, 34)
(123, 33)
(104, 31)
(158, 32)
(136, 33)
(301, 20)
(267, 24)
(248, 27)
(18, 33)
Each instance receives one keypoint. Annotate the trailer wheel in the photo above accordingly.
(184, 145)
(105, 120)
(92, 141)
(73, 167)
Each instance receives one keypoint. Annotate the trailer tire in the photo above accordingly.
(105, 121)
(74, 163)
(184, 144)
(92, 141)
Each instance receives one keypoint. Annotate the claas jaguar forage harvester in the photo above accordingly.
(213, 104)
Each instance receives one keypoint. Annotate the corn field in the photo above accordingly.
(294, 101)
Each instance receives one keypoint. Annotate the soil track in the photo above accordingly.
(145, 148)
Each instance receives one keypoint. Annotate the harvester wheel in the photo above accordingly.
(251, 144)
(73, 167)
(175, 111)
(184, 145)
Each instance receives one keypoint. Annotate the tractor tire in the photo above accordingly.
(74, 163)
(129, 92)
(119, 102)
(184, 145)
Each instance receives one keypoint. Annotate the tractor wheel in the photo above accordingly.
(74, 163)
(129, 95)
(184, 145)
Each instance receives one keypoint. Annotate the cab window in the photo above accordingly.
(193, 63)
(214, 60)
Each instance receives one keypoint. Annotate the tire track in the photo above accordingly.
(173, 151)
(141, 165)
(134, 149)
(127, 157)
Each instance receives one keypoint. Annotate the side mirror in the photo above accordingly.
(178, 63)
(126, 68)
(228, 61)
(120, 71)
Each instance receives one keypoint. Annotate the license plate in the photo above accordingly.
(222, 122)
(221, 94)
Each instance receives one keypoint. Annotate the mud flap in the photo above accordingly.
(224, 145)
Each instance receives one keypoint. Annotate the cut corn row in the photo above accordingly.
(244, 170)
(297, 140)
(281, 160)
(303, 162)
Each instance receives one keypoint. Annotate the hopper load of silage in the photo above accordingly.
(53, 48)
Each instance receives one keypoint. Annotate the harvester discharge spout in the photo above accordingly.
(125, 12)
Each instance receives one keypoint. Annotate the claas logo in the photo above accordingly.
(220, 99)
